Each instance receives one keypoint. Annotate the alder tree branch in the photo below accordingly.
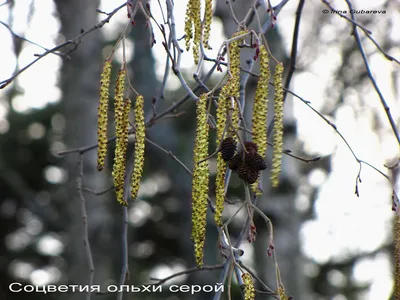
(370, 76)
(29, 41)
(367, 32)
(75, 41)
(86, 241)
(185, 272)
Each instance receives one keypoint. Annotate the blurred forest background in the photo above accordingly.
(52, 107)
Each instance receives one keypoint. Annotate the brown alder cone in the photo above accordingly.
(228, 148)
(255, 161)
(248, 168)
(235, 162)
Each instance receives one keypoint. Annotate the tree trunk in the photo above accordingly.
(80, 81)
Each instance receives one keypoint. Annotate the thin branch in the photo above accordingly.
(345, 17)
(233, 15)
(6, 2)
(27, 40)
(276, 10)
(396, 203)
(86, 242)
(177, 63)
(288, 152)
(251, 13)
(367, 32)
(293, 54)
(222, 278)
(98, 193)
(84, 149)
(185, 272)
(171, 155)
(74, 41)
(124, 276)
(184, 99)
(124, 237)
(371, 77)
(306, 160)
(254, 275)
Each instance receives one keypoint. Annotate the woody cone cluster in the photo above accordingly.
(248, 163)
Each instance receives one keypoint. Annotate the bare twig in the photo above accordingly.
(371, 77)
(6, 2)
(185, 272)
(124, 238)
(124, 232)
(222, 278)
(27, 40)
(367, 32)
(86, 242)
(75, 41)
(276, 10)
(254, 275)
(293, 53)
(171, 155)
(177, 63)
(98, 193)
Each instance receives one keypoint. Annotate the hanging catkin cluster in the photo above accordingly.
(207, 20)
(260, 107)
(121, 127)
(102, 115)
(249, 291)
(221, 168)
(278, 126)
(193, 23)
(122, 108)
(227, 106)
(139, 146)
(200, 181)
(234, 82)
(230, 90)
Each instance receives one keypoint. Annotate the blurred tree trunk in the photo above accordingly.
(278, 203)
(80, 85)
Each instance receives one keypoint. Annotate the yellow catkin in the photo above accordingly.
(249, 291)
(221, 165)
(219, 189)
(260, 108)
(278, 126)
(207, 20)
(123, 139)
(222, 112)
(139, 146)
(282, 293)
(125, 118)
(188, 25)
(227, 103)
(396, 238)
(102, 115)
(121, 129)
(200, 181)
(195, 13)
(234, 81)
